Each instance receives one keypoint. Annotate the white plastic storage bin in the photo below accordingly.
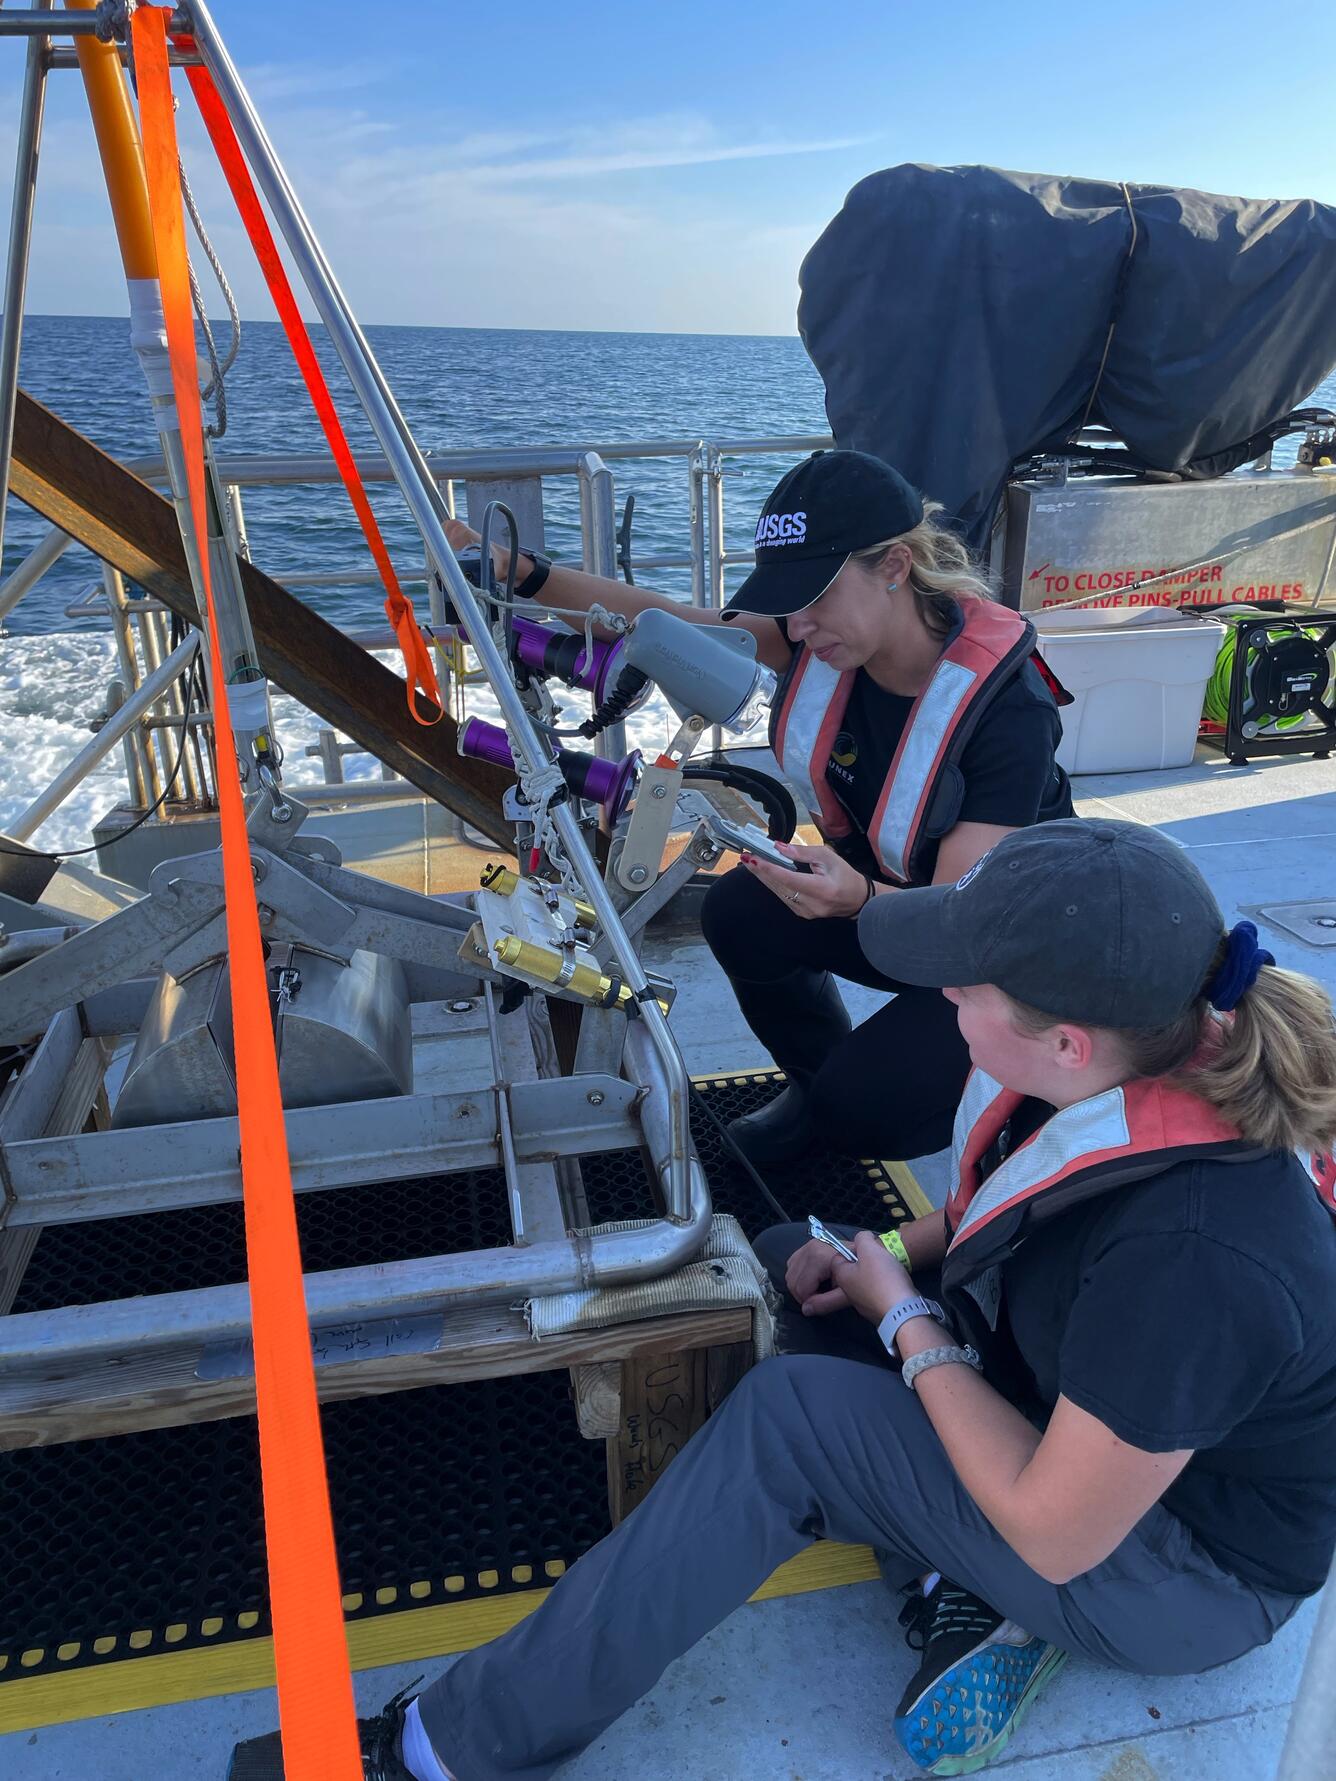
(1137, 682)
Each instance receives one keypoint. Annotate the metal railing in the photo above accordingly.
(145, 712)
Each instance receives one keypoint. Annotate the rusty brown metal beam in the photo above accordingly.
(87, 493)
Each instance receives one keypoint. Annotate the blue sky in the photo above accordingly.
(666, 166)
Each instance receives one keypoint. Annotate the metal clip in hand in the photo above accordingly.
(822, 1235)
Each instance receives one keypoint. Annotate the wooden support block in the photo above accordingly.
(162, 1388)
(598, 1399)
(724, 1367)
(665, 1399)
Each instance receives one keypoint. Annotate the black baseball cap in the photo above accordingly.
(827, 507)
(1108, 924)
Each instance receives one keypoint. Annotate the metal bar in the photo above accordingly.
(162, 1168)
(428, 509)
(35, 1342)
(714, 478)
(106, 739)
(150, 786)
(116, 691)
(31, 23)
(476, 464)
(598, 527)
(536, 1211)
(20, 237)
(169, 725)
(68, 58)
(696, 509)
(1312, 1728)
(38, 560)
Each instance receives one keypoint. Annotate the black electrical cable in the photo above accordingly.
(74, 853)
(739, 1155)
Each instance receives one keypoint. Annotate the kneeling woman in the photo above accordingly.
(919, 726)
(1119, 1436)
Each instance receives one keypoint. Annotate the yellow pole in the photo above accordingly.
(119, 146)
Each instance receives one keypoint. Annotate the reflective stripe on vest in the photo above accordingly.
(811, 708)
(988, 648)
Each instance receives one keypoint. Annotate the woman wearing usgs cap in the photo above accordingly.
(1119, 1432)
(917, 725)
(919, 728)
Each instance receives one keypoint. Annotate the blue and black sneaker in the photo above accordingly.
(979, 1674)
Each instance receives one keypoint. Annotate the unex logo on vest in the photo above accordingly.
(781, 528)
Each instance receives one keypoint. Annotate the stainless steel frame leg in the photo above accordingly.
(20, 237)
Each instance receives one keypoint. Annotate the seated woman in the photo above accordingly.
(1119, 1436)
(919, 726)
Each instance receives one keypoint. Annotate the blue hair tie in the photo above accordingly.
(1243, 959)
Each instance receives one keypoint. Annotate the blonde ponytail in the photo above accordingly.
(1273, 1072)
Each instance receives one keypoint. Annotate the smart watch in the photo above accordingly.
(533, 581)
(901, 1313)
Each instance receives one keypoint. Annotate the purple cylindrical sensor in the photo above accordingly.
(562, 653)
(609, 783)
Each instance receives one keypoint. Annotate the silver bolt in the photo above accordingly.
(595, 1097)
(460, 1007)
(638, 874)
(265, 914)
(281, 813)
(660, 791)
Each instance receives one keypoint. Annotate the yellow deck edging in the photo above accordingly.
(171, 1677)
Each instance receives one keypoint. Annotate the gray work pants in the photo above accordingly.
(809, 1446)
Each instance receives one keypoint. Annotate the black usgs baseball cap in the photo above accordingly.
(827, 507)
(1107, 924)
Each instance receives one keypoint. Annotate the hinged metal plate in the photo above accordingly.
(1313, 922)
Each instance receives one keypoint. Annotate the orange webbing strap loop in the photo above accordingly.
(418, 670)
(310, 1651)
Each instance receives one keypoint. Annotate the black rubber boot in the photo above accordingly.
(781, 1132)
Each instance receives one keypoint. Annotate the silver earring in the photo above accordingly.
(891, 586)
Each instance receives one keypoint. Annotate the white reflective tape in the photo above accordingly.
(802, 728)
(248, 704)
(1084, 1130)
(946, 693)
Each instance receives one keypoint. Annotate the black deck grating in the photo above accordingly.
(152, 1542)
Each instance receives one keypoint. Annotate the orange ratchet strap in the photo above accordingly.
(315, 1695)
(418, 670)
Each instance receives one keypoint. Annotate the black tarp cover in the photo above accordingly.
(958, 317)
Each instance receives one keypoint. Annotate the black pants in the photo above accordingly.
(888, 1088)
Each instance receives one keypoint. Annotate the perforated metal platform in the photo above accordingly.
(152, 1542)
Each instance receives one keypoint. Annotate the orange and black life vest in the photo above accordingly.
(921, 797)
(1123, 1135)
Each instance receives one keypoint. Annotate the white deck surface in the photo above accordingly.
(803, 1689)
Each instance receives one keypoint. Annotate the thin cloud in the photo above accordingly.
(585, 166)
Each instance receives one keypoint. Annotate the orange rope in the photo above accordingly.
(315, 1696)
(418, 670)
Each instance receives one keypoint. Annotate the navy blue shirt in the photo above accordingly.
(1198, 1309)
(1008, 768)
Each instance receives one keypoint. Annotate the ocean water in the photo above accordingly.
(457, 387)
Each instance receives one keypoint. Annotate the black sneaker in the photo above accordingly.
(979, 1674)
(261, 1759)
